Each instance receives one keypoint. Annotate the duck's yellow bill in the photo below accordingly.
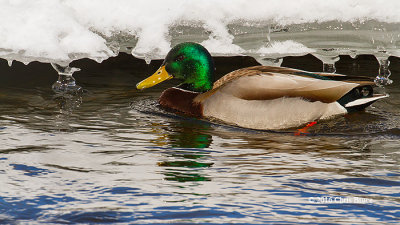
(159, 76)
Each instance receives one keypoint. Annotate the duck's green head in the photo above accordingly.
(189, 62)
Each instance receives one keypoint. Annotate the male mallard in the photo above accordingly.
(259, 97)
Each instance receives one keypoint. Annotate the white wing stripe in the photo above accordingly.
(363, 101)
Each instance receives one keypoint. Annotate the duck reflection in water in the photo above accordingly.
(187, 152)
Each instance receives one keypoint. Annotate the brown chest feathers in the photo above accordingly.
(181, 101)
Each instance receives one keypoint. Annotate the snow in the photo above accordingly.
(65, 30)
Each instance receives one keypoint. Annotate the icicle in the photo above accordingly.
(328, 60)
(66, 82)
(269, 33)
(328, 67)
(98, 60)
(269, 61)
(353, 54)
(68, 95)
(384, 73)
(147, 59)
(10, 62)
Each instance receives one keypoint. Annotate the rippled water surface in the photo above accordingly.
(113, 156)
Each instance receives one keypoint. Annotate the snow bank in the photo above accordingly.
(65, 30)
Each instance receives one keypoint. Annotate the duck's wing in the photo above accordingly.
(362, 80)
(267, 83)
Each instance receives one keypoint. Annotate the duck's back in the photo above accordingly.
(273, 98)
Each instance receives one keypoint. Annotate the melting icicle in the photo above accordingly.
(147, 59)
(329, 67)
(269, 33)
(353, 54)
(66, 82)
(270, 61)
(328, 60)
(149, 55)
(10, 62)
(384, 73)
(68, 95)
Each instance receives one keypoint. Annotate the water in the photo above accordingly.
(111, 155)
(89, 148)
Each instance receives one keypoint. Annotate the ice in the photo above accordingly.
(66, 82)
(222, 46)
(328, 57)
(40, 30)
(272, 53)
(10, 62)
(384, 72)
(60, 31)
(284, 48)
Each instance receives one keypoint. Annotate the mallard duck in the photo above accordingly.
(259, 97)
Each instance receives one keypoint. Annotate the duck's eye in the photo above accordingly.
(180, 58)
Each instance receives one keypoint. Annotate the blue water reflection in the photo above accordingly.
(120, 159)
